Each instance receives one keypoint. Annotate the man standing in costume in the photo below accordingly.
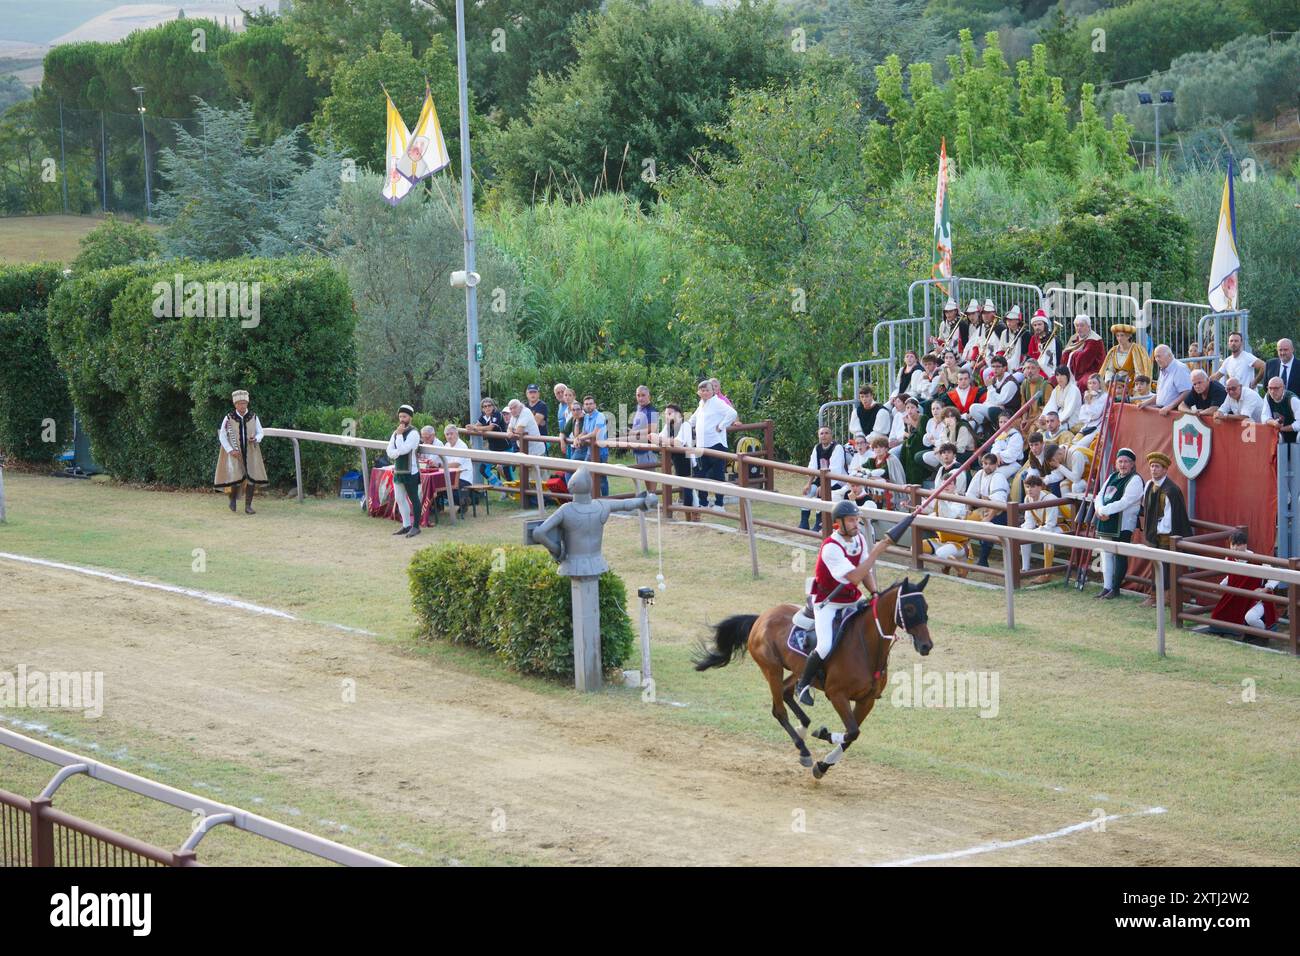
(1117, 512)
(403, 446)
(240, 461)
(1164, 512)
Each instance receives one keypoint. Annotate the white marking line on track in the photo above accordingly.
(1024, 841)
(207, 596)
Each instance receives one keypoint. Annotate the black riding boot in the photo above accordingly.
(233, 494)
(248, 499)
(803, 691)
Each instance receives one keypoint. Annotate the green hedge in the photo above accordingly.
(33, 390)
(615, 382)
(28, 287)
(514, 602)
(152, 390)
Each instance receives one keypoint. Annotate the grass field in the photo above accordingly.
(1089, 719)
(43, 238)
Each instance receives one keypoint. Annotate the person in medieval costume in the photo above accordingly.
(1238, 609)
(1127, 359)
(1164, 512)
(403, 452)
(1117, 507)
(1043, 346)
(1015, 340)
(1084, 351)
(240, 461)
(983, 340)
(952, 330)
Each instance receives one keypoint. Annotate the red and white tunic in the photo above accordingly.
(836, 559)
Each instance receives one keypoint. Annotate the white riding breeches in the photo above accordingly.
(403, 503)
(824, 617)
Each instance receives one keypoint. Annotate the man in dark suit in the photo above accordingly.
(1285, 367)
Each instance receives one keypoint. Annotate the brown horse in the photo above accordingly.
(855, 675)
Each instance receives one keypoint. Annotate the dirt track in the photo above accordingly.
(578, 781)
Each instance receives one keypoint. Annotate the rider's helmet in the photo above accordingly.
(843, 509)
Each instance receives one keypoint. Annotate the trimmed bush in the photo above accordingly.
(32, 391)
(115, 242)
(152, 390)
(514, 601)
(28, 287)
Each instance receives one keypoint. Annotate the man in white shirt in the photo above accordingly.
(828, 455)
(1008, 446)
(990, 485)
(464, 467)
(709, 424)
(1174, 381)
(1117, 506)
(403, 446)
(1002, 390)
(1046, 519)
(1242, 401)
(523, 423)
(1240, 364)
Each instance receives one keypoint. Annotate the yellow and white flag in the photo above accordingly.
(396, 185)
(1225, 265)
(426, 153)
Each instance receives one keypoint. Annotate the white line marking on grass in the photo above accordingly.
(1024, 841)
(207, 596)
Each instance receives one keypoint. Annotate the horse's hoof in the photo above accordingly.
(819, 770)
(806, 760)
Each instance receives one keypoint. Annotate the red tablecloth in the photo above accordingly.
(381, 503)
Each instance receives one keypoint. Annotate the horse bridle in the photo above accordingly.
(898, 614)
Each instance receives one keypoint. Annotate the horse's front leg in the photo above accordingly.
(845, 709)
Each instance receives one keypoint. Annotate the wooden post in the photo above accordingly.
(1293, 607)
(297, 467)
(824, 492)
(742, 480)
(593, 455)
(747, 522)
(1009, 585)
(1011, 548)
(666, 462)
(769, 452)
(1175, 595)
(42, 833)
(917, 558)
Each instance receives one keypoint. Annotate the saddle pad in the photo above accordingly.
(803, 640)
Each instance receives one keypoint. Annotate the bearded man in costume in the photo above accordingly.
(240, 461)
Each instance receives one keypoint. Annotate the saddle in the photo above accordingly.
(803, 629)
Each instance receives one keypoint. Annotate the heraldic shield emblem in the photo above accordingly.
(1191, 445)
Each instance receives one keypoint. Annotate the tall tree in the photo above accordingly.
(330, 33)
(263, 70)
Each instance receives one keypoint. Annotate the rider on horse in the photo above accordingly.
(842, 564)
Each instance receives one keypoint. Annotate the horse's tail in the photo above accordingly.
(729, 641)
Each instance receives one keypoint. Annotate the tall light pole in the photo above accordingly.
(1166, 99)
(467, 199)
(144, 148)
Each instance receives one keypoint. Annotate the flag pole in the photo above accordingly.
(467, 194)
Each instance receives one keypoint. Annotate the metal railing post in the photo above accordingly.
(42, 833)
(297, 467)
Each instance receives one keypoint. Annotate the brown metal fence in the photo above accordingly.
(36, 834)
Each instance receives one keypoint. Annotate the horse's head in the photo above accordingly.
(913, 614)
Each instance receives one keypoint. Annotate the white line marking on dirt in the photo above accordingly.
(1024, 841)
(207, 596)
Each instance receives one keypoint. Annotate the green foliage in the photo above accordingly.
(600, 276)
(648, 79)
(792, 405)
(411, 322)
(32, 390)
(26, 288)
(514, 602)
(12, 90)
(615, 383)
(263, 70)
(1246, 77)
(865, 32)
(354, 115)
(115, 243)
(23, 150)
(151, 389)
(228, 195)
(988, 117)
(1268, 237)
(329, 34)
(1146, 35)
